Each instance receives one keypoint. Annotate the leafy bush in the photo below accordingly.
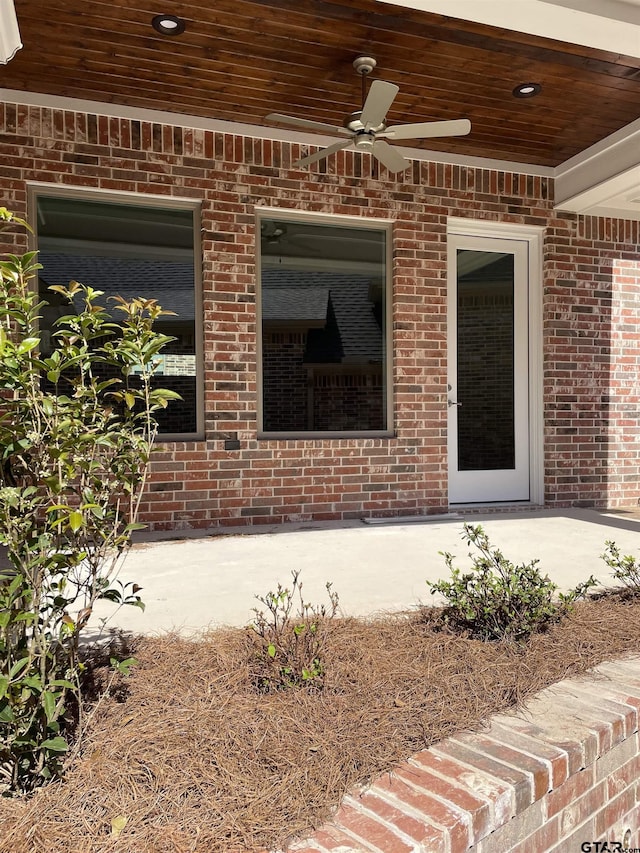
(625, 568)
(289, 651)
(497, 599)
(76, 432)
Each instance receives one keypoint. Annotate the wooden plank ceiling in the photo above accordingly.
(239, 60)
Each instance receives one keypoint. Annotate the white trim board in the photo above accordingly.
(603, 180)
(611, 25)
(617, 197)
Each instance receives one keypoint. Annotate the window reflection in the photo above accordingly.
(130, 251)
(485, 385)
(323, 327)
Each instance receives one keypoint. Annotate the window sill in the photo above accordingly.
(304, 436)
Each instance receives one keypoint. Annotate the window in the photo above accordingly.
(324, 327)
(130, 249)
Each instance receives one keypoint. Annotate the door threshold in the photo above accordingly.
(412, 519)
(503, 506)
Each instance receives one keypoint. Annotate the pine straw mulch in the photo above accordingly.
(196, 761)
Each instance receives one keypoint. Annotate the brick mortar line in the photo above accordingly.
(609, 704)
(451, 782)
(353, 801)
(412, 811)
(548, 762)
(369, 847)
(496, 739)
(509, 786)
(476, 747)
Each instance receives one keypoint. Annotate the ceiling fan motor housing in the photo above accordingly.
(364, 140)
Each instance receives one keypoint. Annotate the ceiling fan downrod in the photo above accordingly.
(364, 65)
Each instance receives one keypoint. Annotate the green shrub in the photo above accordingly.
(290, 650)
(498, 600)
(625, 568)
(76, 432)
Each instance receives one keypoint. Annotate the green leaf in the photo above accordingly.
(27, 345)
(62, 682)
(56, 507)
(271, 650)
(4, 685)
(47, 406)
(33, 681)
(166, 394)
(18, 667)
(49, 702)
(6, 713)
(55, 744)
(123, 666)
(76, 520)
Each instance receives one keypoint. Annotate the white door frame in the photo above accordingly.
(533, 238)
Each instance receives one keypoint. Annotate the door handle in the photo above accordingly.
(453, 403)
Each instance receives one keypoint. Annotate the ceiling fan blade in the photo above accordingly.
(379, 99)
(427, 129)
(304, 122)
(389, 157)
(320, 155)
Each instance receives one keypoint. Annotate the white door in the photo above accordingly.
(488, 356)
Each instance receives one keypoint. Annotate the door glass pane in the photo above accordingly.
(485, 382)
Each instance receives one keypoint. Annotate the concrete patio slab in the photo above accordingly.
(206, 579)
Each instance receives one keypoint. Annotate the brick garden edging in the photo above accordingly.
(564, 771)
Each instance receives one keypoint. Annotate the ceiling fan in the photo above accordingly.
(367, 130)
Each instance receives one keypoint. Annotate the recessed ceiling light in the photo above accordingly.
(527, 90)
(168, 25)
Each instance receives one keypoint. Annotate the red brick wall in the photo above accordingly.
(285, 381)
(349, 400)
(592, 308)
(624, 375)
(590, 431)
(557, 778)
